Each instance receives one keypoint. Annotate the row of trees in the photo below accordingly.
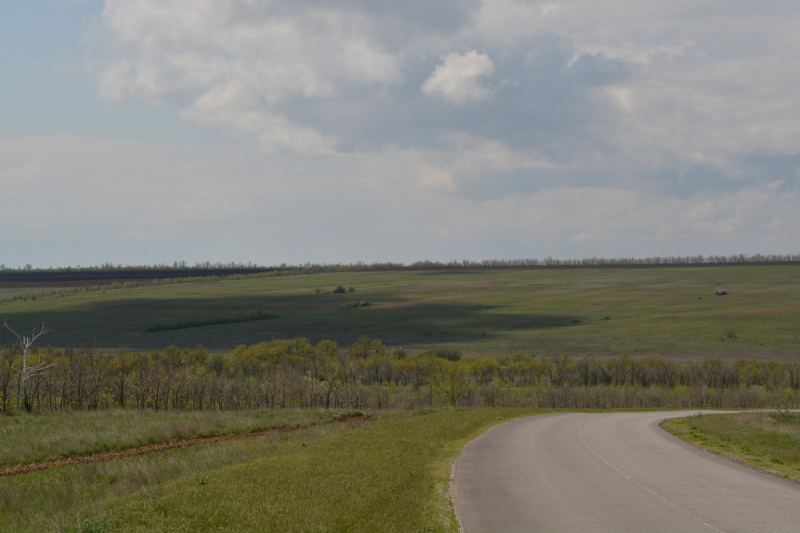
(295, 373)
(548, 261)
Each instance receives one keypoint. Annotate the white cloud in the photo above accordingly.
(458, 77)
(232, 62)
(614, 128)
(99, 193)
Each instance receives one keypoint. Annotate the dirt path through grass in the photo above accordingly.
(172, 444)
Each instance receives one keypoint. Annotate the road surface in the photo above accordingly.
(611, 472)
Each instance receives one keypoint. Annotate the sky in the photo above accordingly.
(153, 131)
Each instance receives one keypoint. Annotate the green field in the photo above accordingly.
(43, 437)
(660, 311)
(766, 441)
(389, 475)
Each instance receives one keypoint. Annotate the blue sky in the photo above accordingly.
(143, 131)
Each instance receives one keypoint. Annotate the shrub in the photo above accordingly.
(351, 289)
(451, 354)
(352, 303)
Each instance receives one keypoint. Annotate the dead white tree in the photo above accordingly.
(27, 371)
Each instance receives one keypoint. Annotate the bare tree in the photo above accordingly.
(31, 371)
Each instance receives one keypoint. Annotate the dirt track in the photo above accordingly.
(174, 444)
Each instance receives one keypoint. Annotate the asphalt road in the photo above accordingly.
(611, 472)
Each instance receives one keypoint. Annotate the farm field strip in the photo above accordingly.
(659, 311)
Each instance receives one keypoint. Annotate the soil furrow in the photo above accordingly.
(173, 444)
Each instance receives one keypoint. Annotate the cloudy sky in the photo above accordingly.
(143, 131)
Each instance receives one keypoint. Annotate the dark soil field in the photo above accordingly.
(667, 311)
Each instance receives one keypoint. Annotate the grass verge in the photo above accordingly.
(76, 498)
(390, 475)
(769, 442)
(382, 477)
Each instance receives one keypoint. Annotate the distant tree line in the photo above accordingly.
(159, 274)
(366, 375)
(486, 263)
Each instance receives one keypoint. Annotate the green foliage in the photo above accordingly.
(351, 304)
(367, 374)
(450, 354)
(787, 418)
(88, 526)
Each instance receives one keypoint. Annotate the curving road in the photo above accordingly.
(611, 472)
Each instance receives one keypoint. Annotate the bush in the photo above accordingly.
(350, 304)
(450, 354)
(351, 289)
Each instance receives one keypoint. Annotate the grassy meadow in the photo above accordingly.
(767, 441)
(42, 437)
(669, 312)
(392, 473)
(388, 475)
